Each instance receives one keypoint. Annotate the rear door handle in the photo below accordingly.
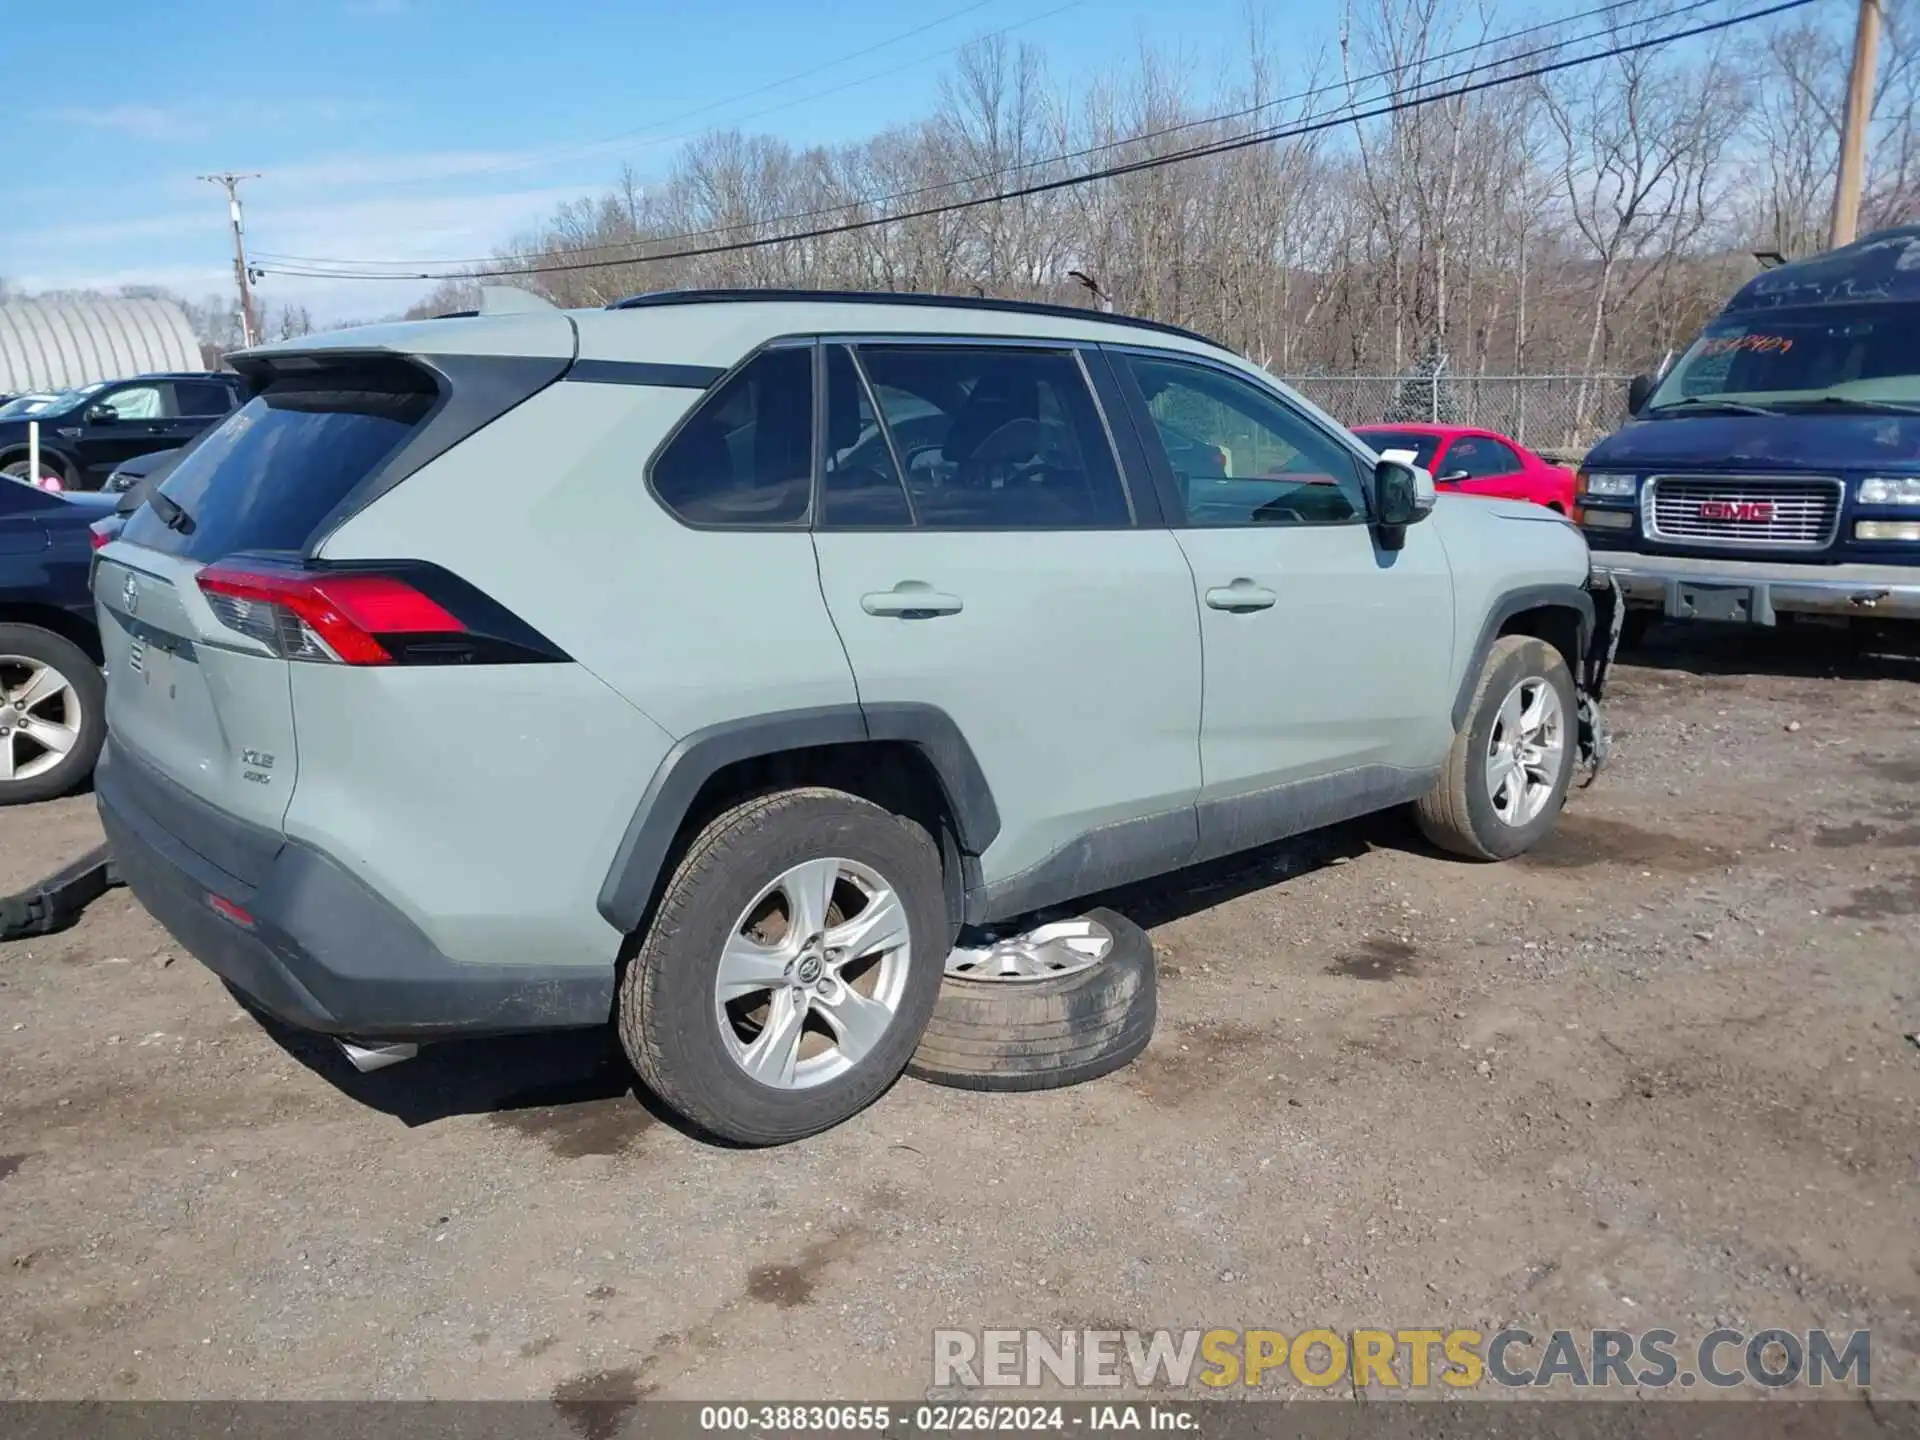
(1242, 594)
(911, 599)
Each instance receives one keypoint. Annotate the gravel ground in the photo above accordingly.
(1658, 1072)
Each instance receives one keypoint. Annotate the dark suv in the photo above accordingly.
(1774, 470)
(85, 433)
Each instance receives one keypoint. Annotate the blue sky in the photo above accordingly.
(436, 128)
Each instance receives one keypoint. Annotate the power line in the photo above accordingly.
(1107, 173)
(589, 146)
(408, 268)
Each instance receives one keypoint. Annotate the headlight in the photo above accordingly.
(1619, 487)
(1890, 490)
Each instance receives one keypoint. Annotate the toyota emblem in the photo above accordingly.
(130, 593)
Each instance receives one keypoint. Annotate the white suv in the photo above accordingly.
(708, 662)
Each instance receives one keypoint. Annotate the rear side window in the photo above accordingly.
(996, 438)
(193, 398)
(267, 476)
(744, 458)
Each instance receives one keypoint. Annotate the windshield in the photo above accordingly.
(1826, 355)
(1422, 446)
(24, 405)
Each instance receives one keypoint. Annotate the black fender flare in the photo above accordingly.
(696, 757)
(1509, 604)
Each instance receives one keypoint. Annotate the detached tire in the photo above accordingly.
(1520, 730)
(53, 714)
(1013, 1035)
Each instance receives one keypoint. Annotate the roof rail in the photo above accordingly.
(901, 297)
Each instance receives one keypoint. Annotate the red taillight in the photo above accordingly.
(99, 538)
(230, 910)
(306, 615)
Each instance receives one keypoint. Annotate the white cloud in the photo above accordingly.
(143, 122)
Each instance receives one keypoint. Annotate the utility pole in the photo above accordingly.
(1853, 135)
(249, 324)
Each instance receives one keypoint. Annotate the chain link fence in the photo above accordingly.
(1561, 416)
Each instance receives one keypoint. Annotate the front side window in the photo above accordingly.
(993, 438)
(1241, 456)
(1478, 457)
(139, 402)
(745, 456)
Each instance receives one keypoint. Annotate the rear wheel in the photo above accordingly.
(52, 714)
(790, 966)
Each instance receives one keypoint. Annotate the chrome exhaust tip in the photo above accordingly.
(366, 1058)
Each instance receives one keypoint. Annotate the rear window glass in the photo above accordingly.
(266, 477)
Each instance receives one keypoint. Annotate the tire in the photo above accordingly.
(28, 653)
(1459, 813)
(1044, 1034)
(669, 1014)
(50, 468)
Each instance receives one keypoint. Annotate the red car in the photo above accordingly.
(1477, 462)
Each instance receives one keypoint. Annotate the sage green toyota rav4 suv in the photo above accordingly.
(707, 663)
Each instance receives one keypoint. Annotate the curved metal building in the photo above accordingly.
(56, 344)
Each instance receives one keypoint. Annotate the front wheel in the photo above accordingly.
(790, 966)
(1507, 775)
(49, 478)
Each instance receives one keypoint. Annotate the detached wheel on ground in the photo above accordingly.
(1066, 1002)
(790, 966)
(52, 714)
(1507, 775)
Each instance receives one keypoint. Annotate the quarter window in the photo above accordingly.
(988, 438)
(1241, 456)
(745, 456)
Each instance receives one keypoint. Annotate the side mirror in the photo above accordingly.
(1403, 495)
(102, 415)
(1640, 390)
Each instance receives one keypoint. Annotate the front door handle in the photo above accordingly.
(1241, 595)
(911, 599)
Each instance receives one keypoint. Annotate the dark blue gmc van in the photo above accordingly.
(1774, 469)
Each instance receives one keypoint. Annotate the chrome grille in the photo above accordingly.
(1744, 510)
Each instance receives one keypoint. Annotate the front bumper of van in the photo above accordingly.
(303, 939)
(1758, 592)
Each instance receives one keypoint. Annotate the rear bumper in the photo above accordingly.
(1676, 585)
(324, 952)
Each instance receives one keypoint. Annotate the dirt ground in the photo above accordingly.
(1659, 1072)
